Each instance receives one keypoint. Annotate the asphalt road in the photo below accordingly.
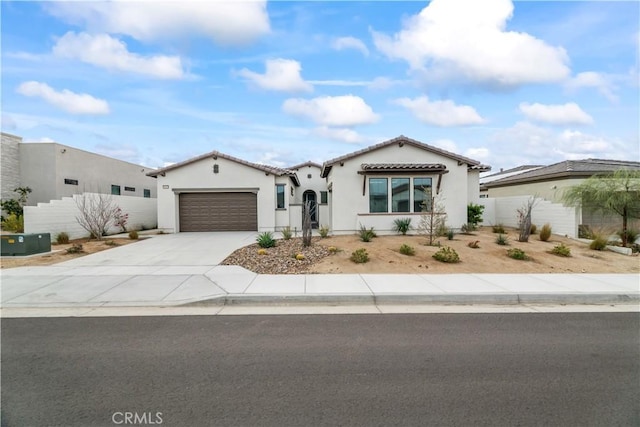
(575, 369)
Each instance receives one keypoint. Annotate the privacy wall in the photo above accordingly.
(60, 215)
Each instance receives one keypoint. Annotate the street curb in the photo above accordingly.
(413, 299)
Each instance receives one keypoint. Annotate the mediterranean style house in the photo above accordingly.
(371, 187)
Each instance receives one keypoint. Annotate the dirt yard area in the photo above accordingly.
(59, 252)
(385, 256)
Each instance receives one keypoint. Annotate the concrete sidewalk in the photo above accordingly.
(211, 285)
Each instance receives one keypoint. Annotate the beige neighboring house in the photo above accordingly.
(550, 182)
(54, 171)
(370, 187)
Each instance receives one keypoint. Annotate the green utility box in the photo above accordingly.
(25, 244)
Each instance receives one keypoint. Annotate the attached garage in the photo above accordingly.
(218, 211)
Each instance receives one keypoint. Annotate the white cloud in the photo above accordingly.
(45, 139)
(350, 43)
(128, 153)
(66, 100)
(339, 134)
(467, 39)
(107, 52)
(445, 144)
(280, 75)
(591, 79)
(227, 23)
(480, 153)
(440, 113)
(8, 123)
(565, 114)
(335, 111)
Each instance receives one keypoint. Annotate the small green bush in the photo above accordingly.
(467, 229)
(545, 232)
(474, 214)
(286, 233)
(533, 229)
(450, 234)
(366, 235)
(360, 256)
(632, 235)
(324, 231)
(447, 254)
(76, 248)
(133, 235)
(498, 228)
(442, 230)
(407, 250)
(502, 240)
(62, 238)
(111, 243)
(561, 250)
(599, 243)
(266, 240)
(402, 225)
(516, 253)
(13, 223)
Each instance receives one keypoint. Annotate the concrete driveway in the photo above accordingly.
(184, 249)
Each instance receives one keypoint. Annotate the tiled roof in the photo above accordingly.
(301, 165)
(215, 154)
(402, 166)
(522, 168)
(326, 167)
(567, 168)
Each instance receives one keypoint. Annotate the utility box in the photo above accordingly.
(25, 244)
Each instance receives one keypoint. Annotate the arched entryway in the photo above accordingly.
(310, 196)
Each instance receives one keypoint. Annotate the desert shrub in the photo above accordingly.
(450, 234)
(474, 214)
(502, 240)
(545, 232)
(631, 234)
(62, 238)
(266, 240)
(533, 229)
(111, 243)
(447, 254)
(402, 225)
(133, 235)
(299, 257)
(407, 250)
(516, 253)
(442, 230)
(286, 233)
(467, 229)
(366, 234)
(120, 219)
(360, 256)
(599, 243)
(13, 223)
(332, 249)
(324, 231)
(76, 248)
(262, 251)
(584, 232)
(475, 244)
(561, 250)
(498, 228)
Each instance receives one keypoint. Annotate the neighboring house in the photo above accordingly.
(54, 171)
(370, 187)
(550, 182)
(374, 186)
(484, 193)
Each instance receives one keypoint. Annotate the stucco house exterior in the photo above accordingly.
(370, 187)
(54, 171)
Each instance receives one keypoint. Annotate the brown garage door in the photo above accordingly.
(218, 212)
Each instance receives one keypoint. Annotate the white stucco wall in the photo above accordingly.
(60, 215)
(232, 176)
(350, 208)
(315, 184)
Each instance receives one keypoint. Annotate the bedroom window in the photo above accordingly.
(378, 195)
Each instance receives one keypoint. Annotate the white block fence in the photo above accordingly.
(60, 215)
(564, 220)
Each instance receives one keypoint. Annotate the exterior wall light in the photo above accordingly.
(216, 168)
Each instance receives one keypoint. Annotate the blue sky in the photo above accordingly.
(154, 83)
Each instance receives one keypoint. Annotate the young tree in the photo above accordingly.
(474, 215)
(617, 193)
(306, 224)
(15, 206)
(433, 217)
(96, 213)
(524, 220)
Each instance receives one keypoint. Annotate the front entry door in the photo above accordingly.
(310, 196)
